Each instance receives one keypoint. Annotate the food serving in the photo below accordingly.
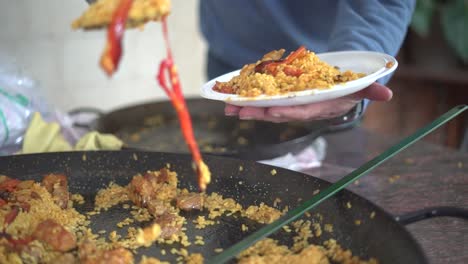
(119, 14)
(302, 77)
(99, 15)
(43, 223)
(275, 75)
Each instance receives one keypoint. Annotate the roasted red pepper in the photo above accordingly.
(2, 202)
(271, 66)
(292, 71)
(9, 185)
(115, 31)
(16, 242)
(11, 216)
(174, 92)
(296, 54)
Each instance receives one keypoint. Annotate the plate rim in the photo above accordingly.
(206, 90)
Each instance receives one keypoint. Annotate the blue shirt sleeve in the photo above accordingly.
(371, 25)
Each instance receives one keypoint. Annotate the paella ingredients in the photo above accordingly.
(110, 196)
(171, 225)
(57, 186)
(55, 235)
(89, 253)
(148, 235)
(263, 213)
(114, 14)
(117, 15)
(201, 222)
(300, 70)
(110, 58)
(174, 92)
(154, 185)
(38, 229)
(100, 14)
(268, 251)
(190, 201)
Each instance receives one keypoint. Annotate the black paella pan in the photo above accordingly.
(382, 237)
(154, 126)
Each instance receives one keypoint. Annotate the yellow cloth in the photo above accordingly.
(46, 137)
(96, 141)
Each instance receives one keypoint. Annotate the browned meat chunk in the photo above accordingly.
(155, 185)
(157, 207)
(170, 223)
(55, 235)
(190, 201)
(57, 185)
(89, 254)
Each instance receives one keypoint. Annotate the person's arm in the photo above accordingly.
(371, 25)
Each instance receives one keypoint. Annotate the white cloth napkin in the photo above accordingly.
(310, 157)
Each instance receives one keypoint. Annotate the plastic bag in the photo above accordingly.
(20, 97)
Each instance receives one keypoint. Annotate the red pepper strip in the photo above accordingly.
(271, 66)
(296, 54)
(178, 101)
(180, 106)
(110, 58)
(9, 184)
(2, 202)
(292, 71)
(11, 216)
(16, 242)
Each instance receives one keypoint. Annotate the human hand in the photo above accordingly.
(315, 111)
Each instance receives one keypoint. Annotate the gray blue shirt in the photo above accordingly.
(241, 31)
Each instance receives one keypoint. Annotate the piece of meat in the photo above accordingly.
(157, 207)
(155, 185)
(268, 67)
(224, 88)
(273, 55)
(11, 215)
(65, 258)
(55, 235)
(89, 254)
(33, 252)
(57, 186)
(8, 184)
(190, 201)
(170, 224)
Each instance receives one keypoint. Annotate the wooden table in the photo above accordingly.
(424, 175)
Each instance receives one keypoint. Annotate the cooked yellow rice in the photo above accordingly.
(265, 251)
(316, 74)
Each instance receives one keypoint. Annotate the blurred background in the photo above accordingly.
(432, 77)
(65, 62)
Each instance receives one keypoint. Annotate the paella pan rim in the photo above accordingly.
(26, 160)
(116, 120)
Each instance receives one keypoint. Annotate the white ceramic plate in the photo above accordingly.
(371, 63)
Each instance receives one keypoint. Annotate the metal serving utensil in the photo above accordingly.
(292, 215)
